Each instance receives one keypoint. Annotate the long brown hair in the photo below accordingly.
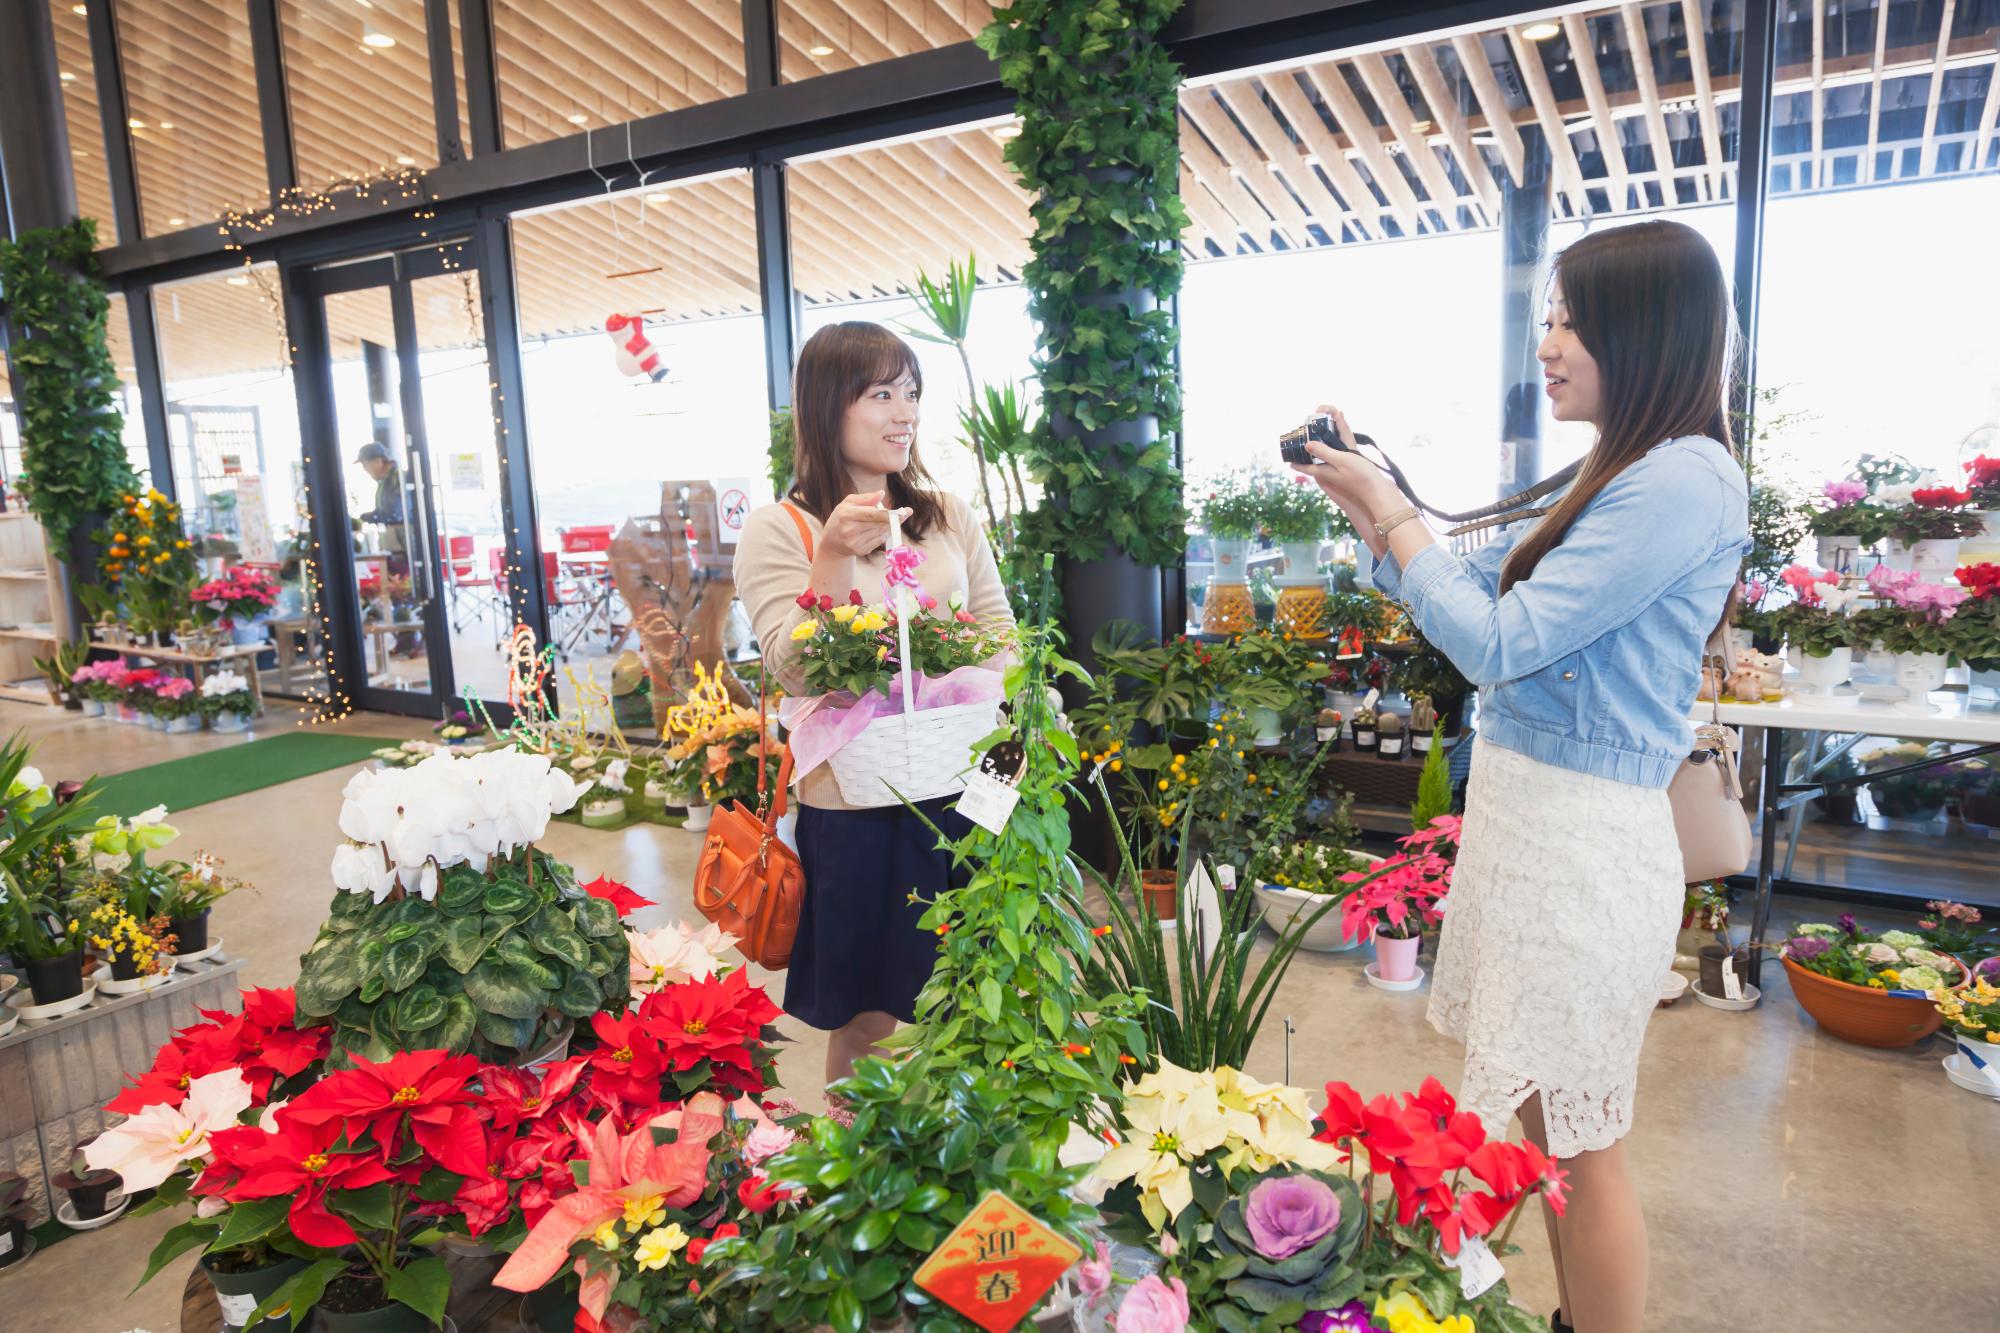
(836, 366)
(1649, 304)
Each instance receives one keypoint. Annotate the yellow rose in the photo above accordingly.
(644, 1212)
(606, 1236)
(804, 631)
(843, 614)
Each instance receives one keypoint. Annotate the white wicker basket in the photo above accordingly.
(922, 755)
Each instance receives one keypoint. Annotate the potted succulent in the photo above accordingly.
(90, 1191)
(1366, 722)
(1326, 728)
(1870, 989)
(1392, 741)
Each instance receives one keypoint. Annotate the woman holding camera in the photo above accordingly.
(860, 958)
(1583, 631)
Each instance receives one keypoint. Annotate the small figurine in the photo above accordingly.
(1770, 671)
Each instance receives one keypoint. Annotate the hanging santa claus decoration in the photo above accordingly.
(636, 353)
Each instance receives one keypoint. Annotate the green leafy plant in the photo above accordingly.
(73, 450)
(1099, 154)
(947, 306)
(1917, 523)
(41, 865)
(60, 666)
(1975, 633)
(1228, 508)
(783, 452)
(883, 1193)
(1433, 784)
(1291, 512)
(1813, 630)
(1425, 670)
(496, 965)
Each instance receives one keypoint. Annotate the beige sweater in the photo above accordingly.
(772, 570)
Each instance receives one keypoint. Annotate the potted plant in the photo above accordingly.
(1294, 513)
(1229, 514)
(1297, 878)
(237, 602)
(1704, 919)
(1326, 728)
(1366, 722)
(1816, 629)
(41, 867)
(433, 939)
(1982, 484)
(1873, 990)
(188, 896)
(461, 727)
(96, 686)
(1392, 742)
(226, 701)
(89, 1190)
(1396, 900)
(1975, 628)
(1972, 1016)
(16, 1215)
(604, 804)
(1958, 929)
(59, 670)
(1846, 522)
(177, 705)
(1423, 672)
(1925, 531)
(133, 948)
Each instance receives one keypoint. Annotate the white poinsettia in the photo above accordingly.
(148, 1147)
(406, 825)
(676, 953)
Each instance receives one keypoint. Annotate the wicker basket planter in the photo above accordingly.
(915, 756)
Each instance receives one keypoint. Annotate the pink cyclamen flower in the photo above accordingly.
(1846, 492)
(1093, 1277)
(1154, 1306)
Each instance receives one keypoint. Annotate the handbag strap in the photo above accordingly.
(798, 521)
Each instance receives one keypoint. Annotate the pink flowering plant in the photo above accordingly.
(173, 697)
(1815, 621)
(1915, 617)
(1845, 509)
(850, 645)
(239, 594)
(1404, 895)
(1957, 928)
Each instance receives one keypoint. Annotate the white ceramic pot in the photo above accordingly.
(1301, 562)
(186, 723)
(1935, 559)
(1232, 559)
(230, 722)
(1281, 904)
(1267, 724)
(1821, 675)
(656, 791)
(1876, 679)
(1896, 556)
(604, 812)
(1838, 552)
(698, 817)
(92, 707)
(1919, 674)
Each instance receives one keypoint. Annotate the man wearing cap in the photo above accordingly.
(376, 460)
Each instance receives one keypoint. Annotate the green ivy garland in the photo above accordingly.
(73, 450)
(782, 455)
(1099, 152)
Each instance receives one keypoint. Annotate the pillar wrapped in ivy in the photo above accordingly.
(1099, 150)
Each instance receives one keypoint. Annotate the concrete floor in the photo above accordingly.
(1788, 1178)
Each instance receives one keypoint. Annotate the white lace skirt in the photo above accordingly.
(1559, 929)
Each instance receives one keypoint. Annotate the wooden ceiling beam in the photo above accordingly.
(1245, 164)
(1446, 114)
(1639, 48)
(1347, 113)
(1610, 143)
(1569, 175)
(1280, 152)
(1249, 211)
(1927, 157)
(1705, 112)
(1206, 212)
(1486, 91)
(1364, 210)
(1381, 85)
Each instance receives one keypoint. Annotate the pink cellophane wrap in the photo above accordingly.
(821, 725)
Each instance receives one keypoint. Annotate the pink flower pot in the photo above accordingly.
(1396, 960)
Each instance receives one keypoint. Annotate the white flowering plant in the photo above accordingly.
(451, 930)
(224, 692)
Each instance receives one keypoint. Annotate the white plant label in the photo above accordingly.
(987, 801)
(1370, 699)
(1478, 1268)
(237, 1309)
(1732, 989)
(6, 1243)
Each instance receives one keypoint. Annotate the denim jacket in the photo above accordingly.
(1592, 662)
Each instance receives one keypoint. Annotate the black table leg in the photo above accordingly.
(1768, 794)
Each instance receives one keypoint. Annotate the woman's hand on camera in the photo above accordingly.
(1362, 490)
(858, 525)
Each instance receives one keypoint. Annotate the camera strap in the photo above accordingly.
(1509, 510)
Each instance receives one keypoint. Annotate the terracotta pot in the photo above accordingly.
(1862, 1015)
(1162, 892)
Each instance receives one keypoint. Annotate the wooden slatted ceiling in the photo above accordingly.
(821, 36)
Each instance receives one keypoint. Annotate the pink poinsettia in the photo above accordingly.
(148, 1147)
(675, 953)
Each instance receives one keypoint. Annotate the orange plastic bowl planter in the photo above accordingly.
(1865, 1016)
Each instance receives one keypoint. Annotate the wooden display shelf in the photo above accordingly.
(32, 599)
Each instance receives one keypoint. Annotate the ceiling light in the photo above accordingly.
(136, 123)
(239, 280)
(68, 77)
(375, 37)
(579, 119)
(1541, 32)
(79, 9)
(659, 199)
(177, 222)
(405, 160)
(166, 124)
(817, 51)
(1422, 127)
(1007, 132)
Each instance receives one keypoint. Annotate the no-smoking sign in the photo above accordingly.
(732, 508)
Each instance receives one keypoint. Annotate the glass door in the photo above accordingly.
(422, 608)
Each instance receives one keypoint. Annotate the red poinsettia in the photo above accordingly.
(618, 895)
(262, 1041)
(716, 1020)
(484, 1198)
(295, 1159)
(629, 1062)
(165, 1084)
(514, 1096)
(427, 1087)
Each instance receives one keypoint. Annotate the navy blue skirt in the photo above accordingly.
(859, 947)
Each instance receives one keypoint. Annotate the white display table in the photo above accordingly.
(1955, 718)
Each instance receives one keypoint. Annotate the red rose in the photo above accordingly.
(759, 1195)
(806, 599)
(854, 597)
(826, 601)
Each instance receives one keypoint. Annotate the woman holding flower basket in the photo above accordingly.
(1583, 632)
(815, 573)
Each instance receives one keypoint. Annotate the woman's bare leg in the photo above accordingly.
(1538, 1134)
(859, 1039)
(1599, 1243)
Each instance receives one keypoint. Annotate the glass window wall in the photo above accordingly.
(359, 81)
(86, 125)
(191, 91)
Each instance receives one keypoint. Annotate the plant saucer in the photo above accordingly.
(1956, 1068)
(8, 1023)
(1749, 1001)
(10, 1262)
(1376, 981)
(66, 1214)
(1672, 987)
(199, 954)
(24, 1004)
(110, 985)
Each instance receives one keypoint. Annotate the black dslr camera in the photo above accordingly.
(1292, 444)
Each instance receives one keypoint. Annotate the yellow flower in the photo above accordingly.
(1892, 976)
(1174, 1118)
(1117, 764)
(659, 1245)
(644, 1212)
(806, 629)
(143, 540)
(1163, 784)
(606, 1236)
(1993, 1037)
(882, 653)
(1405, 1313)
(1876, 983)
(843, 614)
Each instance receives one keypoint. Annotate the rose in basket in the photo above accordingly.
(240, 594)
(853, 658)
